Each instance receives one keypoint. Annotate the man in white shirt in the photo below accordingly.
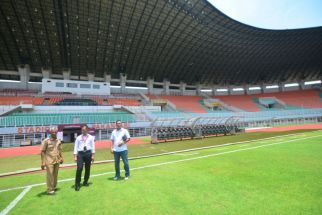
(119, 137)
(84, 150)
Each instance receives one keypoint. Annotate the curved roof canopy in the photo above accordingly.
(178, 40)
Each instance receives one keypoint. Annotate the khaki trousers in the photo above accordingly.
(52, 174)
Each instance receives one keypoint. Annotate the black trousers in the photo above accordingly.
(83, 157)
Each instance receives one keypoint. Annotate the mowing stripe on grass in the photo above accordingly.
(165, 152)
(15, 201)
(171, 162)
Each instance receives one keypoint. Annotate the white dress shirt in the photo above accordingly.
(82, 141)
(116, 138)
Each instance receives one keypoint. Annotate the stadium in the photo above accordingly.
(224, 117)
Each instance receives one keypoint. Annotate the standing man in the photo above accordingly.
(84, 150)
(120, 136)
(51, 157)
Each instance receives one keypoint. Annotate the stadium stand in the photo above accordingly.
(244, 102)
(125, 102)
(184, 103)
(300, 99)
(14, 100)
(27, 119)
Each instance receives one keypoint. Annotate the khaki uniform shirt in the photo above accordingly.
(52, 150)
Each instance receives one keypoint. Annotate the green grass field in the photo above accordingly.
(281, 175)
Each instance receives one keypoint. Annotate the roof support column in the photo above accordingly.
(166, 87)
(24, 72)
(122, 82)
(46, 73)
(149, 84)
(90, 76)
(183, 88)
(281, 87)
(262, 86)
(66, 74)
(302, 85)
(198, 89)
(107, 78)
(246, 89)
(213, 90)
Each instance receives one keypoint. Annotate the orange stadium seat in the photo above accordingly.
(244, 102)
(13, 100)
(301, 98)
(186, 103)
(126, 102)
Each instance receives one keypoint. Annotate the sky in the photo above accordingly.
(273, 14)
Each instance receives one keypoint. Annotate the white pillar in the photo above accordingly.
(107, 78)
(198, 89)
(46, 73)
(24, 72)
(122, 82)
(183, 87)
(213, 90)
(90, 76)
(301, 85)
(149, 84)
(166, 86)
(281, 86)
(66, 74)
(262, 86)
(246, 89)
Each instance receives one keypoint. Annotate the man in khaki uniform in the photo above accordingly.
(51, 157)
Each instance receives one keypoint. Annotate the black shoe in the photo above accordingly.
(77, 187)
(85, 184)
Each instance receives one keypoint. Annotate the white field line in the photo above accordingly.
(186, 154)
(15, 201)
(165, 152)
(171, 162)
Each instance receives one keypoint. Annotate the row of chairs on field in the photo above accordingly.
(168, 133)
(173, 133)
(209, 130)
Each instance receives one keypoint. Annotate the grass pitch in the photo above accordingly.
(280, 175)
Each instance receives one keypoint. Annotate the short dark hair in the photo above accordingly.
(118, 121)
(86, 126)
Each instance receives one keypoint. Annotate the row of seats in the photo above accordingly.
(302, 98)
(169, 133)
(243, 102)
(125, 102)
(208, 130)
(173, 133)
(23, 119)
(13, 100)
(184, 103)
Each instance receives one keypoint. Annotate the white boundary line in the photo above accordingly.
(171, 162)
(164, 153)
(15, 201)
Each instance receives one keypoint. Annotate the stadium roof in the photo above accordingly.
(180, 40)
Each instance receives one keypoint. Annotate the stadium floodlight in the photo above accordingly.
(312, 82)
(206, 90)
(222, 90)
(11, 81)
(272, 87)
(254, 88)
(291, 85)
(238, 89)
(137, 88)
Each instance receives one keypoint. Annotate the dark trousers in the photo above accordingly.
(83, 157)
(117, 156)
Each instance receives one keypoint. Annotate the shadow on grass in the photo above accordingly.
(41, 194)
